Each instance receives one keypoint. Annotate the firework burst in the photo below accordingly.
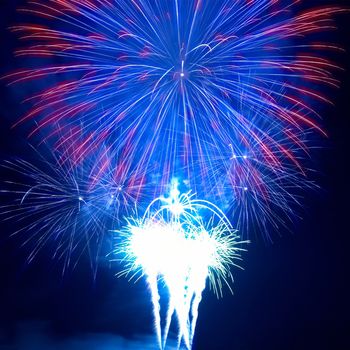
(176, 83)
(69, 208)
(175, 245)
(220, 93)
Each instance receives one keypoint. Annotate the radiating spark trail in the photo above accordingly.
(174, 244)
(221, 93)
(68, 208)
(173, 83)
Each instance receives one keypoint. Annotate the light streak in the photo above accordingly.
(223, 94)
(175, 245)
(170, 84)
(68, 209)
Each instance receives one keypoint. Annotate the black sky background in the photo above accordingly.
(293, 294)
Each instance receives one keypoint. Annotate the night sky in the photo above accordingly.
(292, 294)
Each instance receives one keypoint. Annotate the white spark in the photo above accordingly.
(173, 244)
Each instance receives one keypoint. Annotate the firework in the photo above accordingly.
(180, 242)
(177, 83)
(222, 94)
(259, 196)
(66, 208)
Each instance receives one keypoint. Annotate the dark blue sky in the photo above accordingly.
(293, 294)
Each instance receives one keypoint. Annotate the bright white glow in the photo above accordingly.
(172, 244)
(182, 74)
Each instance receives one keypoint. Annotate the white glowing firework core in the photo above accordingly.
(162, 248)
(172, 244)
